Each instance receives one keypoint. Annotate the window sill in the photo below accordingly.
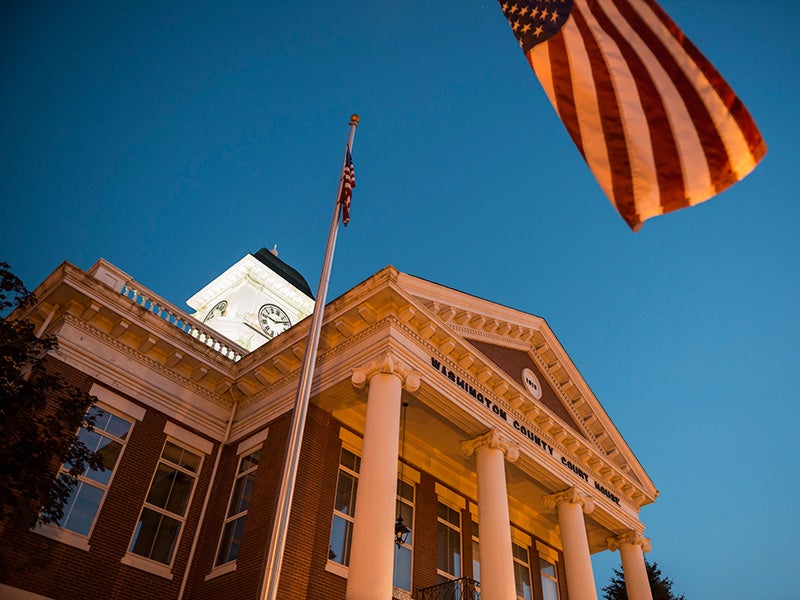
(144, 564)
(221, 570)
(337, 569)
(65, 536)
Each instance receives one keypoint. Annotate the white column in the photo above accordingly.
(372, 548)
(570, 506)
(497, 560)
(632, 546)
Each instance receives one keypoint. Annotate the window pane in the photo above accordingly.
(406, 511)
(449, 550)
(242, 491)
(346, 493)
(522, 578)
(161, 486)
(231, 540)
(182, 458)
(250, 461)
(341, 533)
(476, 560)
(547, 568)
(448, 514)
(350, 460)
(402, 567)
(156, 535)
(179, 496)
(81, 508)
(519, 552)
(172, 453)
(405, 490)
(549, 585)
(117, 427)
(549, 589)
(109, 451)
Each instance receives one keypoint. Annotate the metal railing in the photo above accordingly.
(458, 589)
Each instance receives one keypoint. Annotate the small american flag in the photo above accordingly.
(655, 122)
(348, 183)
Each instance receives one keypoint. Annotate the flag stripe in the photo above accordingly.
(738, 112)
(611, 126)
(656, 123)
(663, 168)
(709, 149)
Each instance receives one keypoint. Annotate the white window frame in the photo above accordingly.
(460, 529)
(254, 446)
(339, 566)
(548, 555)
(410, 478)
(148, 564)
(523, 564)
(131, 415)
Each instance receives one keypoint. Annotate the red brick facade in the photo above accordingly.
(54, 569)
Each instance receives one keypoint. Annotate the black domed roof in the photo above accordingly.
(281, 268)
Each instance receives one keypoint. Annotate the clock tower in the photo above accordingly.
(254, 300)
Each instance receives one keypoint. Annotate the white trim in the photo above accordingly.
(337, 569)
(410, 475)
(546, 552)
(114, 400)
(521, 538)
(252, 442)
(189, 438)
(449, 497)
(350, 441)
(65, 536)
(145, 564)
(227, 567)
(8, 592)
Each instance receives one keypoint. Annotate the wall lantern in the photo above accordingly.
(400, 530)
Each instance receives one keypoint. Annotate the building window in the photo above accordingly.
(108, 439)
(522, 572)
(403, 554)
(549, 579)
(233, 528)
(164, 512)
(449, 543)
(476, 552)
(344, 508)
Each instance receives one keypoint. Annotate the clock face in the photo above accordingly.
(273, 320)
(220, 310)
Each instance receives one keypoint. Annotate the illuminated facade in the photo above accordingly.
(463, 417)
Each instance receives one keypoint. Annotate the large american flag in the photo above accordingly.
(348, 183)
(656, 123)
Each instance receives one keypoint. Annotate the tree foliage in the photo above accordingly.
(660, 585)
(40, 414)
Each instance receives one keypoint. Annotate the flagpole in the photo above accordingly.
(283, 506)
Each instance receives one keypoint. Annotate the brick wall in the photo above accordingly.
(33, 562)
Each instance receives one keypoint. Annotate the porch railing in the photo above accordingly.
(458, 589)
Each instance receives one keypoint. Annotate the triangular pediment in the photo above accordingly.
(511, 342)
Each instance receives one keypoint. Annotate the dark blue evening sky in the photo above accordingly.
(173, 138)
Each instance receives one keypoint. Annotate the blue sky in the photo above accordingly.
(173, 138)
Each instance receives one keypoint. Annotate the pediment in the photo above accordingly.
(510, 341)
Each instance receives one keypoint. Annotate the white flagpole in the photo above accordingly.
(283, 506)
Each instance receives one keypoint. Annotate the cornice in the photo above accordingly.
(148, 362)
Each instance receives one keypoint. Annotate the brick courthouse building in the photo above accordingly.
(463, 417)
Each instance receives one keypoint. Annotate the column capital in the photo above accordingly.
(492, 439)
(388, 364)
(629, 537)
(572, 496)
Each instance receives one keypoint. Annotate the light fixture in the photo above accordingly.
(401, 532)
